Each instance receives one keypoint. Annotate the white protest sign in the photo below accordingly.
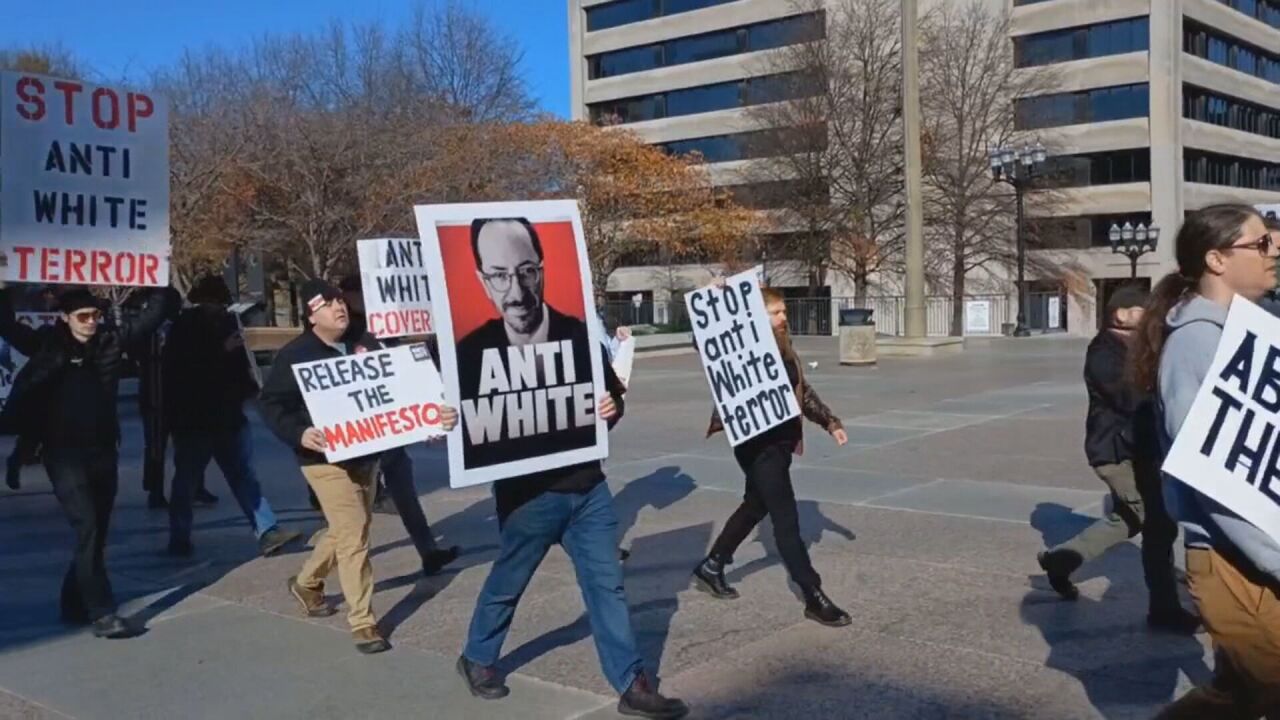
(1228, 448)
(748, 380)
(397, 301)
(11, 361)
(85, 172)
(374, 401)
(625, 360)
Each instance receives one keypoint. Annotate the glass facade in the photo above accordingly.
(1211, 107)
(703, 98)
(696, 48)
(1078, 43)
(1086, 106)
(1214, 169)
(1102, 168)
(625, 12)
(1267, 11)
(1225, 50)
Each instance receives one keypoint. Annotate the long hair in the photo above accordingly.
(1213, 228)
(783, 336)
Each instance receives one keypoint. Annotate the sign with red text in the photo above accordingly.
(11, 361)
(397, 301)
(374, 401)
(84, 183)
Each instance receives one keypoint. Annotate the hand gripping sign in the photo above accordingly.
(1229, 446)
(85, 172)
(393, 276)
(748, 379)
(370, 402)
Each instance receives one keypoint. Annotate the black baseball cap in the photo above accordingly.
(316, 293)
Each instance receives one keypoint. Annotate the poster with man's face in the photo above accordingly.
(511, 289)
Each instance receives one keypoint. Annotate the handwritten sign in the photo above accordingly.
(370, 402)
(86, 183)
(397, 300)
(1229, 448)
(740, 356)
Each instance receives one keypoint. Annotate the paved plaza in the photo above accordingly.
(925, 528)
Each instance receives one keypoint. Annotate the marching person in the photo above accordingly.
(1233, 567)
(766, 460)
(65, 399)
(396, 465)
(1122, 448)
(345, 490)
(571, 507)
(207, 380)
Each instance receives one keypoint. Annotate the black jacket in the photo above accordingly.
(283, 409)
(1114, 406)
(53, 352)
(206, 372)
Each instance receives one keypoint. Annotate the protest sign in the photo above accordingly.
(1228, 448)
(11, 361)
(748, 380)
(85, 173)
(512, 294)
(373, 401)
(393, 276)
(625, 360)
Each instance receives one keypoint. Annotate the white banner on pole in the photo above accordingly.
(1229, 448)
(85, 171)
(393, 275)
(370, 402)
(740, 356)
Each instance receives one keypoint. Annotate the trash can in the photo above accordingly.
(857, 337)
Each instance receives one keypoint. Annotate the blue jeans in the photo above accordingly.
(586, 526)
(233, 451)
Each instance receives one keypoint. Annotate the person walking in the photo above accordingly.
(65, 399)
(1233, 567)
(570, 507)
(207, 380)
(766, 460)
(345, 490)
(1121, 446)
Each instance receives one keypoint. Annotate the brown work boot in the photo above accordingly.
(369, 641)
(312, 601)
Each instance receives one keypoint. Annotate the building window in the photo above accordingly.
(1210, 107)
(704, 98)
(773, 194)
(1267, 11)
(1086, 106)
(696, 48)
(625, 12)
(1102, 168)
(1214, 169)
(1088, 41)
(1078, 232)
(1225, 50)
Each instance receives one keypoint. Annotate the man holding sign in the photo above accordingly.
(341, 460)
(759, 390)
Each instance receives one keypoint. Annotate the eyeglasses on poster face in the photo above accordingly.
(500, 281)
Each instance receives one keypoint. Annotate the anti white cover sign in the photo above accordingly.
(393, 276)
(1228, 447)
(84, 183)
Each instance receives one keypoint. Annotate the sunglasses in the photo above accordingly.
(87, 316)
(1262, 245)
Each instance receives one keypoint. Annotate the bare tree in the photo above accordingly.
(49, 60)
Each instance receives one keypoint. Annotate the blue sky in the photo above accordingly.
(126, 38)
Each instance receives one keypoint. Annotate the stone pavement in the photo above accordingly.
(925, 528)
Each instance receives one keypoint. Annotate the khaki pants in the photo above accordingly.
(346, 499)
(1243, 619)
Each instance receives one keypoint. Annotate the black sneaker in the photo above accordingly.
(273, 540)
(180, 548)
(438, 559)
(643, 700)
(819, 608)
(156, 501)
(206, 498)
(1058, 565)
(709, 578)
(112, 627)
(483, 682)
(1176, 620)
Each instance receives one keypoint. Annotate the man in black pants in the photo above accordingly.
(65, 398)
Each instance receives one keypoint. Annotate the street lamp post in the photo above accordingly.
(1017, 168)
(1133, 243)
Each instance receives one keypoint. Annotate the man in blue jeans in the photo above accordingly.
(572, 507)
(207, 379)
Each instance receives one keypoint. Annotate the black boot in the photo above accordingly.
(819, 608)
(644, 700)
(709, 578)
(1058, 565)
(483, 682)
(436, 560)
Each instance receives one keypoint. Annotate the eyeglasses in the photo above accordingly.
(500, 281)
(1262, 245)
(87, 316)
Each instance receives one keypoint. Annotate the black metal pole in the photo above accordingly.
(1133, 266)
(1020, 330)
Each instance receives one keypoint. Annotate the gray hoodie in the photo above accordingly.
(1194, 327)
